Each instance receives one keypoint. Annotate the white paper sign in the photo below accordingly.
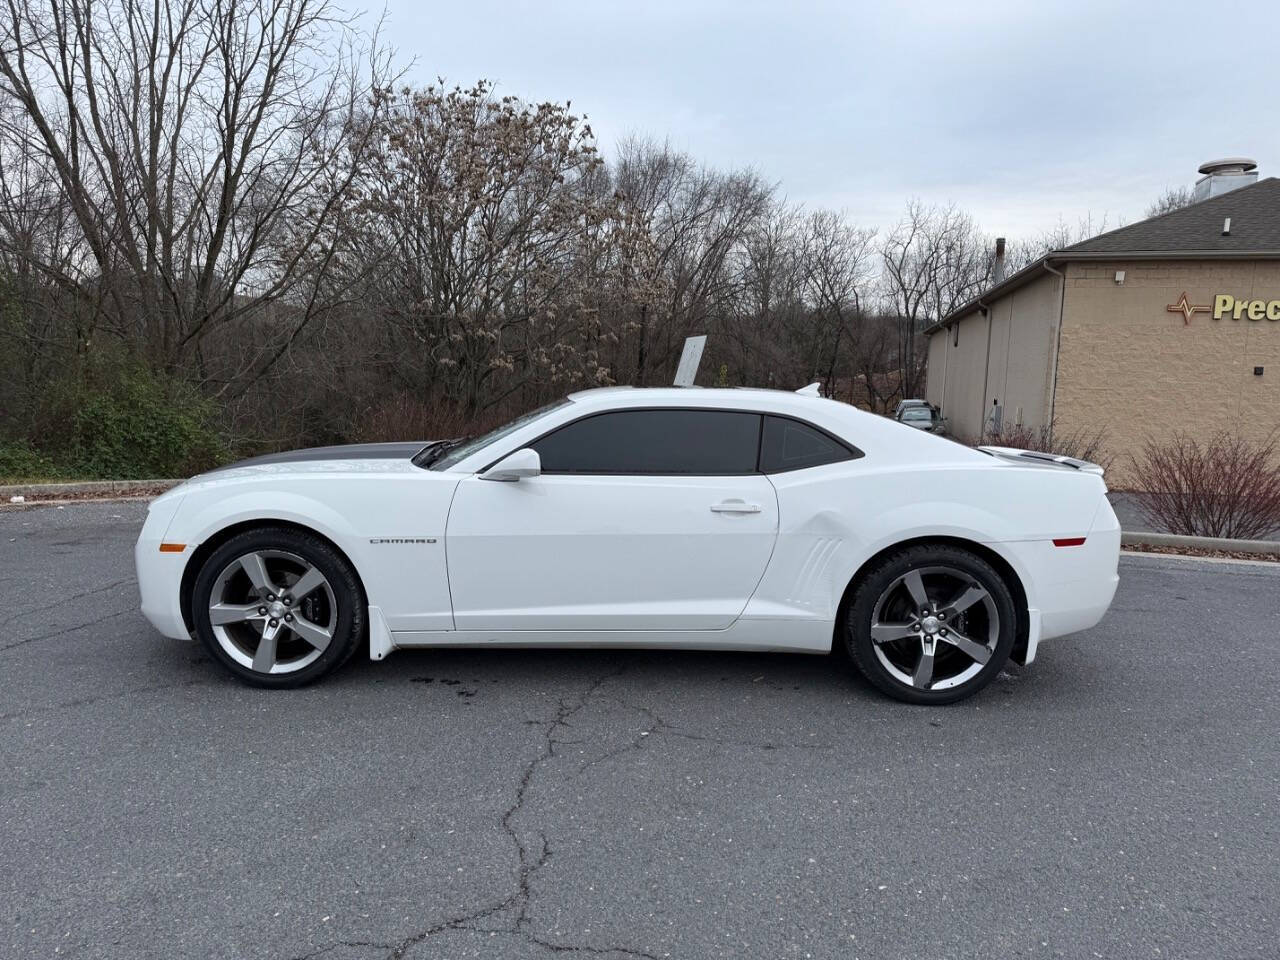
(689, 361)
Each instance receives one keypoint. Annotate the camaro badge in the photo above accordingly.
(402, 539)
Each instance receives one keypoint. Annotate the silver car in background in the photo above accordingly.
(922, 416)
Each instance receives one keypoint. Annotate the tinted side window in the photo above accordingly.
(791, 445)
(703, 442)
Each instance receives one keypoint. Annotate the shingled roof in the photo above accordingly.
(1190, 232)
(1255, 226)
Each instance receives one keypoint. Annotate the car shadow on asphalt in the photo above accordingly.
(468, 669)
(449, 665)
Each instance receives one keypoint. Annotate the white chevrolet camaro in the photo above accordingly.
(677, 518)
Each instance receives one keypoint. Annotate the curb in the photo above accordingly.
(108, 488)
(1141, 538)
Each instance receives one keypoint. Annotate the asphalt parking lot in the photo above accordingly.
(1118, 799)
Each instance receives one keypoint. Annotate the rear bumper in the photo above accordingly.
(1073, 585)
(1080, 605)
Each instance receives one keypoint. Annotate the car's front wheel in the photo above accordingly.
(931, 624)
(278, 607)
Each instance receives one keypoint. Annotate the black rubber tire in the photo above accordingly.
(858, 612)
(347, 592)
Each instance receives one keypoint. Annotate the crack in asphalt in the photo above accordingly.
(531, 857)
(101, 698)
(533, 850)
(63, 601)
(66, 630)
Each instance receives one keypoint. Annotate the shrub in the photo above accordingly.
(19, 462)
(1080, 444)
(1225, 487)
(134, 425)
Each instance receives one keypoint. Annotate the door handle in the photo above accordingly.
(735, 506)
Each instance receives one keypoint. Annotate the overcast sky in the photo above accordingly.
(1021, 113)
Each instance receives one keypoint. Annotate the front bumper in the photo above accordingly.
(160, 574)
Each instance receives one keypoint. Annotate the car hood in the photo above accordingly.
(347, 458)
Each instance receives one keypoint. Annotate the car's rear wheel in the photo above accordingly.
(931, 624)
(278, 607)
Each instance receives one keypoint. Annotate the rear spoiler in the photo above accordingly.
(1016, 455)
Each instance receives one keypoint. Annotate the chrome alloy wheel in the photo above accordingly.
(272, 611)
(934, 628)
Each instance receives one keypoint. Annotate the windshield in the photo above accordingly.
(917, 413)
(460, 451)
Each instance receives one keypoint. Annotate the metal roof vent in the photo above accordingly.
(1223, 176)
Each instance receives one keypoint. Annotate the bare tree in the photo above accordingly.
(485, 212)
(1020, 253)
(768, 316)
(230, 202)
(877, 379)
(44, 318)
(696, 220)
(934, 260)
(205, 149)
(837, 265)
(1174, 198)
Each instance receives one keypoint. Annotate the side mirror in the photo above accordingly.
(514, 466)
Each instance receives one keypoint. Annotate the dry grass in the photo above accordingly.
(406, 417)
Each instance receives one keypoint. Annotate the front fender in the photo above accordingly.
(211, 518)
(391, 530)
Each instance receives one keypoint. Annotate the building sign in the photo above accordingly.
(1185, 308)
(1227, 307)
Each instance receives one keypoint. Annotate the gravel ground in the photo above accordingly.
(1116, 799)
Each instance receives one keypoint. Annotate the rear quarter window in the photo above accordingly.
(787, 444)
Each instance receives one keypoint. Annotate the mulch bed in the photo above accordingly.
(1202, 552)
(137, 493)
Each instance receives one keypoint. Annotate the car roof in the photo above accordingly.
(746, 398)
(860, 427)
(887, 440)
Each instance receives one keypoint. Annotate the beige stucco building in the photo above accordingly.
(1170, 324)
